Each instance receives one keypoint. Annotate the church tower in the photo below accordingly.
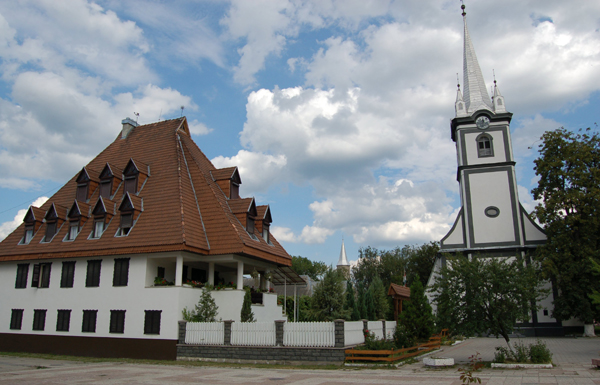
(491, 219)
(343, 264)
(491, 222)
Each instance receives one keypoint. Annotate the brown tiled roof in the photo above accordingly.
(397, 291)
(223, 173)
(183, 207)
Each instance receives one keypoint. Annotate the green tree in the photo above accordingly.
(417, 317)
(304, 266)
(205, 310)
(327, 302)
(381, 301)
(419, 261)
(362, 305)
(569, 192)
(595, 295)
(247, 315)
(370, 305)
(485, 294)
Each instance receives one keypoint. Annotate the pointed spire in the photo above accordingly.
(459, 104)
(498, 99)
(343, 261)
(476, 95)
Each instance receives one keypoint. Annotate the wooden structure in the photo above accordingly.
(392, 355)
(399, 295)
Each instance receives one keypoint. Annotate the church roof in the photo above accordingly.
(178, 205)
(343, 260)
(475, 93)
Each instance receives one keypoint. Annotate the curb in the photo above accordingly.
(522, 366)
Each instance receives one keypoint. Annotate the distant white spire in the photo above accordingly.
(498, 99)
(476, 96)
(343, 261)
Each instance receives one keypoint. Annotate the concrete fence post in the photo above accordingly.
(384, 331)
(340, 340)
(365, 326)
(279, 332)
(182, 326)
(227, 332)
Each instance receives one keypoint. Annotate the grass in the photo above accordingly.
(134, 361)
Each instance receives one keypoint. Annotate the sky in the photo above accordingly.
(336, 112)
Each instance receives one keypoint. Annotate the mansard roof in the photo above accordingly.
(182, 207)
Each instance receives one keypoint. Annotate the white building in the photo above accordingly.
(84, 273)
(491, 221)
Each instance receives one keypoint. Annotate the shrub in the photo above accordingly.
(246, 314)
(521, 352)
(402, 338)
(501, 355)
(205, 311)
(373, 343)
(539, 353)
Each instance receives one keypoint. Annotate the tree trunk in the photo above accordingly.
(588, 330)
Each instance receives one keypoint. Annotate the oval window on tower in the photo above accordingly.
(492, 211)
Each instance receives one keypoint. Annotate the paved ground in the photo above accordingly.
(572, 357)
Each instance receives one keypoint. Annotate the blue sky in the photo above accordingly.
(336, 112)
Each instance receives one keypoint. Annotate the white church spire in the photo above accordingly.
(476, 96)
(343, 261)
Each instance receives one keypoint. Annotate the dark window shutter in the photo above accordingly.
(16, 319)
(39, 319)
(50, 231)
(117, 321)
(45, 274)
(130, 184)
(89, 321)
(63, 320)
(22, 272)
(82, 192)
(152, 322)
(93, 273)
(35, 280)
(68, 273)
(121, 272)
(105, 188)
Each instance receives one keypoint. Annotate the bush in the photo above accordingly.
(539, 353)
(521, 352)
(205, 310)
(402, 338)
(502, 354)
(373, 343)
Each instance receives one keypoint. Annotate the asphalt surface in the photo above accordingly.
(571, 356)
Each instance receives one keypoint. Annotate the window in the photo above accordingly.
(39, 319)
(235, 190)
(265, 233)
(131, 184)
(41, 275)
(484, 146)
(82, 192)
(63, 320)
(126, 223)
(160, 273)
(93, 273)
(22, 272)
(250, 225)
(73, 230)
(152, 322)
(50, 231)
(198, 275)
(117, 321)
(98, 228)
(68, 273)
(89, 321)
(28, 234)
(121, 273)
(106, 188)
(16, 319)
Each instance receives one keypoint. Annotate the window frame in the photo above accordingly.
(130, 183)
(485, 152)
(67, 276)
(16, 319)
(82, 191)
(98, 221)
(265, 233)
(152, 319)
(88, 321)
(106, 186)
(63, 320)
(22, 275)
(41, 275)
(39, 319)
(93, 273)
(126, 223)
(73, 224)
(117, 322)
(121, 272)
(51, 225)
(29, 233)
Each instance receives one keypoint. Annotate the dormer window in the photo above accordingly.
(128, 209)
(110, 177)
(33, 221)
(84, 184)
(235, 190)
(102, 216)
(484, 146)
(106, 188)
(73, 230)
(250, 225)
(131, 175)
(77, 216)
(264, 220)
(54, 218)
(229, 181)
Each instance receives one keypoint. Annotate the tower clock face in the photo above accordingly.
(482, 122)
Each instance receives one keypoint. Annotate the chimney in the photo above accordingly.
(128, 125)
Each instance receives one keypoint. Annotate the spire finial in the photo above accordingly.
(464, 13)
(457, 81)
(494, 73)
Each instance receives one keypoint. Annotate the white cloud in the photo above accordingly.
(198, 128)
(8, 227)
(283, 234)
(315, 234)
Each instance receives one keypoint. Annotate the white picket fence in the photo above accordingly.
(390, 329)
(376, 327)
(309, 334)
(253, 333)
(204, 333)
(354, 333)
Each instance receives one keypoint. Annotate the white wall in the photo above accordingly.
(269, 311)
(134, 298)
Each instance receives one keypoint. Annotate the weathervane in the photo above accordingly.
(182, 107)
(463, 8)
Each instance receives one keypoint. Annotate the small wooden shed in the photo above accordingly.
(399, 294)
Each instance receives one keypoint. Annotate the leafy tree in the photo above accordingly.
(362, 305)
(370, 305)
(304, 266)
(327, 302)
(417, 317)
(350, 303)
(247, 315)
(380, 299)
(419, 261)
(485, 294)
(205, 310)
(569, 191)
(595, 295)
